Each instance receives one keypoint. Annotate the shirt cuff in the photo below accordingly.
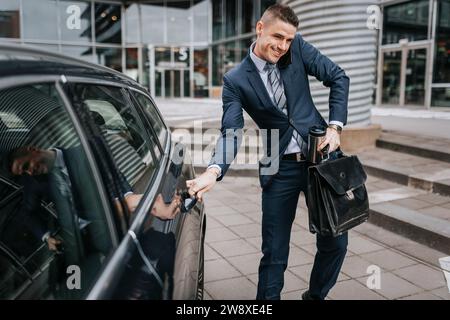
(340, 124)
(218, 167)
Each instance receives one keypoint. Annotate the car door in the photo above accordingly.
(56, 232)
(129, 154)
(141, 153)
(189, 228)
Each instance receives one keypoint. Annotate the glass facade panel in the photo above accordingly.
(108, 23)
(75, 21)
(132, 66)
(110, 57)
(176, 83)
(162, 56)
(440, 97)
(9, 19)
(145, 81)
(179, 21)
(42, 13)
(201, 21)
(415, 77)
(201, 72)
(217, 9)
(187, 84)
(391, 77)
(407, 20)
(442, 59)
(217, 64)
(132, 23)
(248, 16)
(230, 55)
(153, 26)
(230, 21)
(158, 84)
(167, 83)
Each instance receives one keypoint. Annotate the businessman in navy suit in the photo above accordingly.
(271, 85)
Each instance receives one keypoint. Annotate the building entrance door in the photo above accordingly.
(404, 74)
(170, 69)
(172, 83)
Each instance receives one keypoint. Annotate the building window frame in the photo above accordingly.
(429, 44)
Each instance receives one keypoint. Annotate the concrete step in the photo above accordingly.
(430, 231)
(409, 170)
(419, 215)
(428, 147)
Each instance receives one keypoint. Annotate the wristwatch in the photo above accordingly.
(335, 127)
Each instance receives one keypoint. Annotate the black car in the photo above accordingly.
(76, 140)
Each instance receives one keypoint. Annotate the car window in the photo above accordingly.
(153, 117)
(113, 112)
(52, 224)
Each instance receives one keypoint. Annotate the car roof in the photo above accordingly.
(24, 60)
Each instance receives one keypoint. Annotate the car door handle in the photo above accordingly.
(187, 202)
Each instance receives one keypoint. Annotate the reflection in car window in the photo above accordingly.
(50, 212)
(123, 130)
(153, 117)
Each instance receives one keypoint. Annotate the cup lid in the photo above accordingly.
(317, 131)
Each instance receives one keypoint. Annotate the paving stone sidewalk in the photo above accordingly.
(409, 270)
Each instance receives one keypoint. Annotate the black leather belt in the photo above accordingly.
(298, 156)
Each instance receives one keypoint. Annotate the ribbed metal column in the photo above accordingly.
(338, 28)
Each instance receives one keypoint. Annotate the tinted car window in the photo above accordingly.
(153, 117)
(134, 153)
(52, 224)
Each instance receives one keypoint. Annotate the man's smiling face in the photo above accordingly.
(274, 39)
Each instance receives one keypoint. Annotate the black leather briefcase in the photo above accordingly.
(337, 197)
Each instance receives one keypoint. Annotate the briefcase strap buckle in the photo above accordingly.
(350, 194)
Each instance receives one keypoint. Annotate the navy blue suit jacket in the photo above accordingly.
(243, 89)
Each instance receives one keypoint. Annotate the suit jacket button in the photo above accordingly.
(291, 121)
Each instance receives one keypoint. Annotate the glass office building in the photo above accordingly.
(414, 54)
(175, 48)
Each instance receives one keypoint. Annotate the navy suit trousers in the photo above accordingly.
(279, 204)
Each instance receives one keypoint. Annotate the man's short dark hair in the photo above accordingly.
(282, 12)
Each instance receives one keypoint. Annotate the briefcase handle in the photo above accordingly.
(326, 154)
